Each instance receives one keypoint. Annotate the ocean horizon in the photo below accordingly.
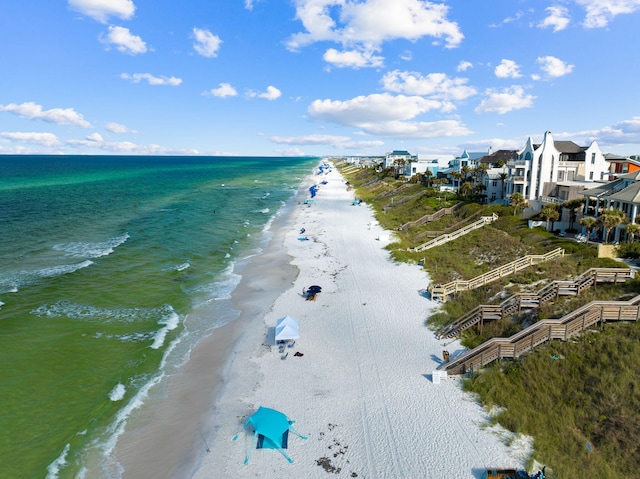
(113, 269)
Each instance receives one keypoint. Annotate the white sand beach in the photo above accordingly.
(362, 392)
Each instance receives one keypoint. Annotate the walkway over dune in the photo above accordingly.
(543, 331)
(484, 220)
(519, 301)
(441, 292)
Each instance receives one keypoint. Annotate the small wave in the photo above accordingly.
(170, 322)
(117, 393)
(263, 211)
(12, 282)
(85, 312)
(183, 266)
(53, 469)
(92, 250)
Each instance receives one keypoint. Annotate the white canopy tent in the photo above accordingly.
(287, 328)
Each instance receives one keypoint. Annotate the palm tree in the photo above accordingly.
(503, 178)
(632, 230)
(465, 189)
(518, 202)
(588, 222)
(573, 206)
(549, 213)
(609, 220)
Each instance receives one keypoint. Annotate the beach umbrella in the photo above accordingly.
(315, 289)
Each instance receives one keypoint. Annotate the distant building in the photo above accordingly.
(397, 157)
(621, 165)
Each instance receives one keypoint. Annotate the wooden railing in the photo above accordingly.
(432, 217)
(543, 331)
(441, 292)
(485, 220)
(519, 301)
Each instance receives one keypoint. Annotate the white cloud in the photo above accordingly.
(101, 10)
(333, 141)
(435, 85)
(114, 127)
(362, 109)
(124, 41)
(224, 90)
(625, 131)
(60, 116)
(554, 67)
(463, 66)
(151, 79)
(272, 93)
(507, 69)
(43, 139)
(386, 115)
(513, 98)
(601, 12)
(370, 23)
(97, 137)
(206, 43)
(353, 58)
(558, 18)
(417, 130)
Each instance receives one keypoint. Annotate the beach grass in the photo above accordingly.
(578, 399)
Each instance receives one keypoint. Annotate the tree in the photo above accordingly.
(428, 174)
(573, 206)
(609, 220)
(466, 170)
(632, 230)
(399, 166)
(503, 179)
(588, 222)
(518, 202)
(549, 213)
(465, 189)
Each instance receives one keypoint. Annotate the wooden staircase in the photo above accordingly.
(432, 217)
(484, 220)
(441, 292)
(525, 301)
(543, 331)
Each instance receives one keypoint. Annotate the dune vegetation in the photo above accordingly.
(578, 399)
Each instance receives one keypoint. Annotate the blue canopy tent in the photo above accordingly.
(271, 430)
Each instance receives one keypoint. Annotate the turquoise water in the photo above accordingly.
(103, 261)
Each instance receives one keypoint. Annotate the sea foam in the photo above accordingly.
(92, 250)
(117, 393)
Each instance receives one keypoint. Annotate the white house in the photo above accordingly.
(548, 171)
(391, 159)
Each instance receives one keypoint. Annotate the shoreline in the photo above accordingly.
(170, 439)
(363, 392)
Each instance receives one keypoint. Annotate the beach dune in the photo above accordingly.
(361, 388)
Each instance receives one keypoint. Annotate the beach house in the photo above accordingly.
(555, 171)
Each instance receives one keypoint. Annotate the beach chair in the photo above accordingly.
(285, 356)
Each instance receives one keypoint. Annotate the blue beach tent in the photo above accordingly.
(271, 431)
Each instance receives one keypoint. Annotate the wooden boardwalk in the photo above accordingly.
(484, 220)
(543, 331)
(527, 301)
(440, 292)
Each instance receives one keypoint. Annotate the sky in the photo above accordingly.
(317, 77)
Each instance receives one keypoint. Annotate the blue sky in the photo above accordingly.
(317, 77)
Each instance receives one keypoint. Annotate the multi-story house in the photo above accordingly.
(555, 171)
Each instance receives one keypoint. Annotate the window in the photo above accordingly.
(591, 175)
(593, 158)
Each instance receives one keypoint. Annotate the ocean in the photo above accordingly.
(112, 268)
